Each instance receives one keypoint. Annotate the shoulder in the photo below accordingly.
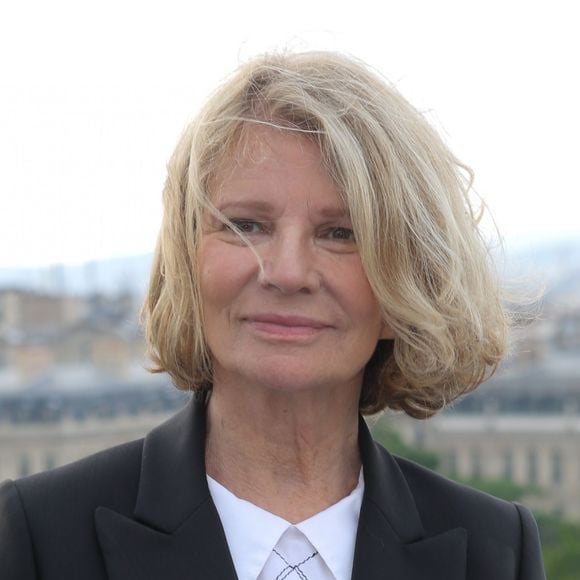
(434, 492)
(496, 528)
(444, 503)
(109, 477)
(47, 519)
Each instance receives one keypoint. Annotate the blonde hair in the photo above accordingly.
(408, 196)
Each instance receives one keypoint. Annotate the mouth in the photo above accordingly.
(290, 326)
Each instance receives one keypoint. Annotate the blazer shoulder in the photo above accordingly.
(109, 477)
(497, 529)
(444, 503)
(47, 519)
(16, 561)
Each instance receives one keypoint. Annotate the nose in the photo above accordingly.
(289, 265)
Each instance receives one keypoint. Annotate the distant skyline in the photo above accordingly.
(94, 97)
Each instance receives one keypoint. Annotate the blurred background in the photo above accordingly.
(92, 100)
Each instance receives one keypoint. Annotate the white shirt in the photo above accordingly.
(267, 547)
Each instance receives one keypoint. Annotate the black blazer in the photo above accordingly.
(142, 511)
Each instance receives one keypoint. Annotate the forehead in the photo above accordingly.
(262, 146)
(267, 163)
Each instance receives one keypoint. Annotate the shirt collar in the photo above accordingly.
(252, 532)
(336, 549)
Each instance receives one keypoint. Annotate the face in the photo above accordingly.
(306, 319)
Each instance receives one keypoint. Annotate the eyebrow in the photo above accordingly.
(334, 212)
(264, 207)
(255, 205)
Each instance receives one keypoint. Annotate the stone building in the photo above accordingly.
(539, 451)
(40, 333)
(27, 448)
(52, 426)
(25, 310)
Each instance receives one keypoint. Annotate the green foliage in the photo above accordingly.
(392, 441)
(501, 488)
(561, 547)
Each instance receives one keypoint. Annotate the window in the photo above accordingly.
(557, 467)
(24, 465)
(452, 461)
(49, 461)
(532, 467)
(476, 464)
(508, 465)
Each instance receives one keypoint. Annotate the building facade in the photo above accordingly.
(541, 452)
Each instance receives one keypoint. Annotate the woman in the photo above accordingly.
(318, 259)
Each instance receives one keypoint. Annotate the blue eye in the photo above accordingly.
(341, 234)
(246, 226)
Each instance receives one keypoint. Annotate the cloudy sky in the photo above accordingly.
(94, 95)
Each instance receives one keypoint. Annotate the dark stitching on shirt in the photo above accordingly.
(293, 568)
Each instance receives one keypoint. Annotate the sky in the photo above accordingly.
(93, 97)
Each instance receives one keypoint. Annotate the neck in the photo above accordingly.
(292, 454)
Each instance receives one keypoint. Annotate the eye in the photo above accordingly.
(340, 234)
(247, 226)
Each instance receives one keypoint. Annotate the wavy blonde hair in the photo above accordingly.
(409, 200)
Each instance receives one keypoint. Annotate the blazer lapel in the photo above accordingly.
(391, 541)
(175, 532)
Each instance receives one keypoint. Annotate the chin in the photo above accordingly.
(293, 379)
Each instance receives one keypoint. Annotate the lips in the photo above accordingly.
(286, 325)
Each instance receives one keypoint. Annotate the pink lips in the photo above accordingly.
(289, 326)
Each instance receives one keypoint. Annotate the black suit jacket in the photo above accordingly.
(142, 511)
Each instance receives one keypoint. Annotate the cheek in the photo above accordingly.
(224, 272)
(368, 308)
(364, 308)
(212, 278)
(357, 292)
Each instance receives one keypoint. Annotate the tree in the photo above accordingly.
(392, 441)
(561, 547)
